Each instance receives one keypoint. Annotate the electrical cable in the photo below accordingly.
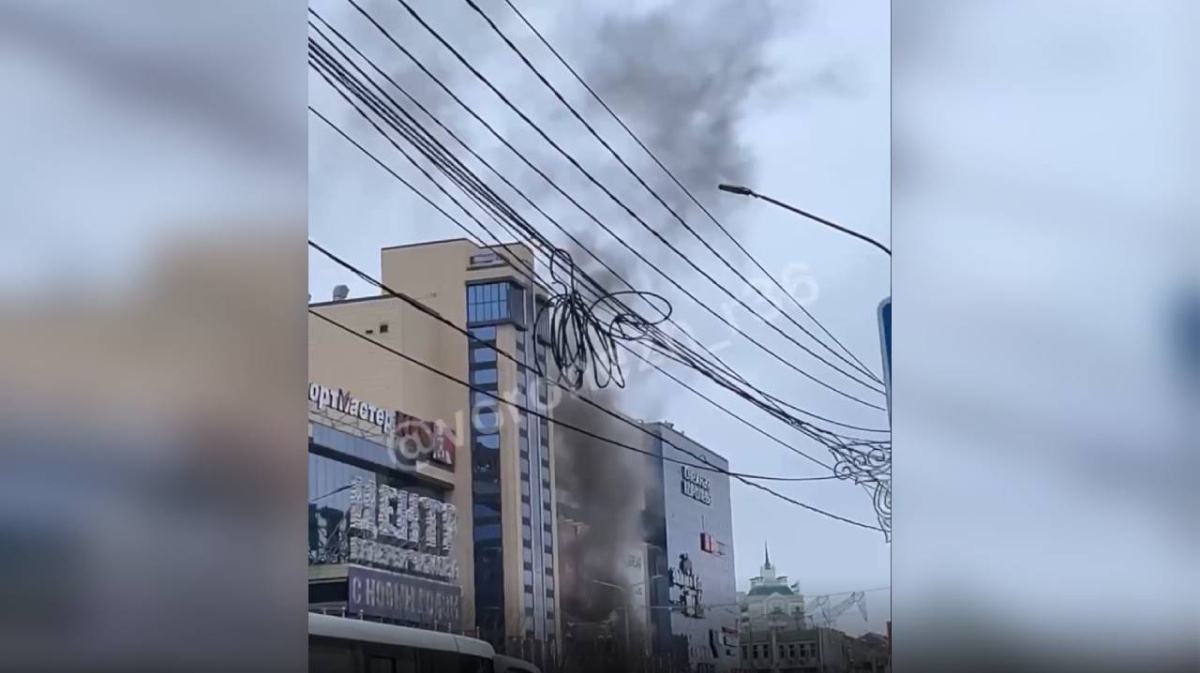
(574, 162)
(387, 34)
(862, 367)
(618, 319)
(432, 158)
(512, 213)
(508, 356)
(588, 401)
(581, 341)
(858, 366)
(459, 224)
(504, 141)
(495, 396)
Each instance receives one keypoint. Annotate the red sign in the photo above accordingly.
(424, 440)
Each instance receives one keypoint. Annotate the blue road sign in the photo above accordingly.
(885, 339)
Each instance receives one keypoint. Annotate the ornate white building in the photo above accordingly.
(771, 601)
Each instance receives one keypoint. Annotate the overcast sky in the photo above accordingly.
(812, 129)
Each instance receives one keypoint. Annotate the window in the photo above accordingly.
(383, 328)
(489, 375)
(484, 333)
(487, 420)
(488, 302)
(483, 355)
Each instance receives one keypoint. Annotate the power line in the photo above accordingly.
(387, 34)
(504, 141)
(858, 366)
(501, 138)
(850, 462)
(574, 162)
(571, 318)
(426, 310)
(582, 431)
(511, 213)
(862, 367)
(436, 316)
(515, 265)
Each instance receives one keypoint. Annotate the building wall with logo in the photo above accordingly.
(382, 539)
(702, 589)
(508, 469)
(339, 360)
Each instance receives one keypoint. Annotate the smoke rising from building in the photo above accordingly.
(601, 491)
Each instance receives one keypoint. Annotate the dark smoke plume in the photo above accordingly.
(602, 488)
(681, 77)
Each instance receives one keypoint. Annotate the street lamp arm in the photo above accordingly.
(746, 191)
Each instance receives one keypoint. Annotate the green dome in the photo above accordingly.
(771, 591)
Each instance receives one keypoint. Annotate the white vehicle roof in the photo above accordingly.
(347, 628)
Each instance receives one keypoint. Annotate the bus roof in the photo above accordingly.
(347, 628)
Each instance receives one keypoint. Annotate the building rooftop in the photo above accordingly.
(771, 590)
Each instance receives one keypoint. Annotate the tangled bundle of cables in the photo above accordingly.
(579, 338)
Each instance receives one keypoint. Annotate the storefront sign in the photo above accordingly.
(696, 486)
(687, 591)
(342, 401)
(401, 531)
(410, 439)
(377, 593)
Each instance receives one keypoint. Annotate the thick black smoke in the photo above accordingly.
(682, 78)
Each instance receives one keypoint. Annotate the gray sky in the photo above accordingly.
(815, 130)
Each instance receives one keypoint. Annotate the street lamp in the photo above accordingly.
(746, 191)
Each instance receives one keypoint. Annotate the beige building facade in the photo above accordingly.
(502, 480)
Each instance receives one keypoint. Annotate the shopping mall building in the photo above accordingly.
(648, 565)
(437, 502)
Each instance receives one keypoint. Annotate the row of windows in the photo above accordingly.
(496, 302)
(786, 651)
(487, 510)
